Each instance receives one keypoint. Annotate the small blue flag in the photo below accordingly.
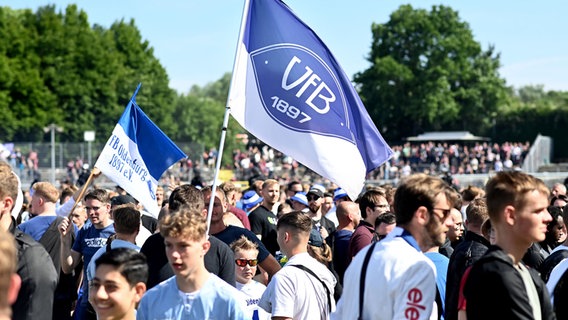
(136, 155)
(289, 91)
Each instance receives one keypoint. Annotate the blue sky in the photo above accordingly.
(195, 39)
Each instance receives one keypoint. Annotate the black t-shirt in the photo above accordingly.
(219, 260)
(263, 222)
(149, 223)
(232, 233)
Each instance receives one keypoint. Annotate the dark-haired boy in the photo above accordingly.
(304, 287)
(119, 284)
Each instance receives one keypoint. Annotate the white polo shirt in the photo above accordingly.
(296, 294)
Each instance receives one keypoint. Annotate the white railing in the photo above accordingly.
(539, 155)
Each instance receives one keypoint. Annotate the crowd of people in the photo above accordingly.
(441, 158)
(260, 161)
(419, 250)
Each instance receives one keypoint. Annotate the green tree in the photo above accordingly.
(139, 65)
(428, 73)
(57, 68)
(200, 116)
(25, 103)
(532, 111)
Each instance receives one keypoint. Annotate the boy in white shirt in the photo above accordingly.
(246, 261)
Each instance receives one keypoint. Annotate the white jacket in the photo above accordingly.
(400, 282)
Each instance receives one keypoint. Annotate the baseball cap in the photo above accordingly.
(339, 193)
(316, 239)
(122, 199)
(301, 198)
(251, 199)
(317, 189)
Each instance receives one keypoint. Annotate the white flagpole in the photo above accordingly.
(226, 117)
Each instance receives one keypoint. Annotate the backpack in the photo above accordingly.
(550, 262)
(51, 241)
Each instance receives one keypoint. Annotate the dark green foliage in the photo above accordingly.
(533, 111)
(200, 117)
(57, 68)
(427, 74)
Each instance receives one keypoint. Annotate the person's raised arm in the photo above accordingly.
(69, 257)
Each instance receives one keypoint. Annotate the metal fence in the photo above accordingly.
(65, 152)
(88, 153)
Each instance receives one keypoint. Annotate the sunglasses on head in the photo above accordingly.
(244, 262)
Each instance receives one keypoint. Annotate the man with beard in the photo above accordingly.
(262, 219)
(315, 198)
(396, 264)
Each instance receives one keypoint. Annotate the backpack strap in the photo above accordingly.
(51, 229)
(439, 304)
(362, 279)
(109, 241)
(50, 241)
(322, 283)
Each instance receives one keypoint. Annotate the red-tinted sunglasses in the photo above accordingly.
(244, 262)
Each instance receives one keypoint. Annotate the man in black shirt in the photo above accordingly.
(218, 259)
(263, 220)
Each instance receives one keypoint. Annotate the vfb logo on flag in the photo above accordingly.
(300, 91)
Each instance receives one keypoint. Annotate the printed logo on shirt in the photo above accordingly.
(413, 304)
(95, 242)
(272, 220)
(252, 302)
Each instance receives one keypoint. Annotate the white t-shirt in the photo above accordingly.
(296, 294)
(253, 291)
(143, 234)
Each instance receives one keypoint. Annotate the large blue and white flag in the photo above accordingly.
(136, 155)
(289, 91)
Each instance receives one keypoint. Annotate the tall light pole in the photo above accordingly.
(52, 127)
(89, 136)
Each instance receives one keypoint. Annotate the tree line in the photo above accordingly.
(427, 73)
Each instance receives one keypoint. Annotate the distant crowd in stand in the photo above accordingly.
(260, 161)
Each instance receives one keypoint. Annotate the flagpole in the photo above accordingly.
(226, 117)
(136, 92)
(85, 186)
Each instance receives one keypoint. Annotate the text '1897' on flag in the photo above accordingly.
(289, 91)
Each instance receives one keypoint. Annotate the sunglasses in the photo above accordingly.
(244, 262)
(313, 197)
(445, 213)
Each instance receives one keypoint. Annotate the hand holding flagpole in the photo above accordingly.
(94, 173)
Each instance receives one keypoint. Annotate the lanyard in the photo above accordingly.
(406, 236)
